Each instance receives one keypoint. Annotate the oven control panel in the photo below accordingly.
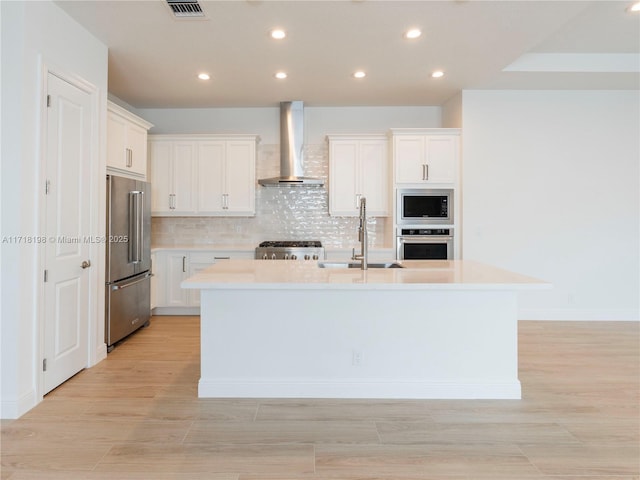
(424, 231)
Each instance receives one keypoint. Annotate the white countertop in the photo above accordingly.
(417, 275)
(204, 247)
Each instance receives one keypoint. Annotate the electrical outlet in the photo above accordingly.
(356, 358)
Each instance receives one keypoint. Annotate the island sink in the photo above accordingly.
(358, 265)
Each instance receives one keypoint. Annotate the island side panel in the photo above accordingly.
(300, 343)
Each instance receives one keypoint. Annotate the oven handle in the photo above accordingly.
(424, 238)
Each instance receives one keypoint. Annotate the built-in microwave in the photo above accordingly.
(422, 206)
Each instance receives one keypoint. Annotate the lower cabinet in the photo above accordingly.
(171, 267)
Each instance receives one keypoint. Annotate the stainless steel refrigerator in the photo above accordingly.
(128, 267)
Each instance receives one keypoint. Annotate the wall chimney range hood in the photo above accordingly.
(291, 149)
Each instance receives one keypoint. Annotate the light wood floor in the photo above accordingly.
(136, 415)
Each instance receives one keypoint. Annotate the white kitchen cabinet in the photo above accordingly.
(154, 281)
(226, 177)
(203, 175)
(358, 167)
(126, 142)
(198, 261)
(176, 270)
(172, 266)
(425, 156)
(173, 173)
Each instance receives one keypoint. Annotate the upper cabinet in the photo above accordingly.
(203, 175)
(126, 142)
(358, 167)
(425, 156)
(173, 174)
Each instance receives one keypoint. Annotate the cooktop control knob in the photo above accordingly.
(307, 257)
(294, 257)
(273, 256)
(286, 256)
(315, 256)
(264, 257)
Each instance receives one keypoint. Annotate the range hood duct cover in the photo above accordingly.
(291, 149)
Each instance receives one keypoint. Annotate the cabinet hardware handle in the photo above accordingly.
(85, 264)
(184, 264)
(358, 195)
(426, 167)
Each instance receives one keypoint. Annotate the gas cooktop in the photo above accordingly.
(290, 250)
(291, 244)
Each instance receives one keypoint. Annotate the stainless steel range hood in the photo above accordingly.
(291, 149)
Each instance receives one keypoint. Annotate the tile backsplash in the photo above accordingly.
(282, 213)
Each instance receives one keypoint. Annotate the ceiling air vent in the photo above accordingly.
(185, 8)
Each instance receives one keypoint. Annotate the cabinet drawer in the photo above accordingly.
(201, 257)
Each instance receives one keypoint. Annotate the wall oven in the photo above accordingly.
(421, 206)
(424, 244)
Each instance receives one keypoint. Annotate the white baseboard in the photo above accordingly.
(15, 408)
(580, 314)
(211, 388)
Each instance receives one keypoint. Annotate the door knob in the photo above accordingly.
(86, 264)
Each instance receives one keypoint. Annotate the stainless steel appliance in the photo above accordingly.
(128, 262)
(424, 206)
(424, 244)
(291, 149)
(290, 250)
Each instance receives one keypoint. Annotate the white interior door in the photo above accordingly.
(66, 291)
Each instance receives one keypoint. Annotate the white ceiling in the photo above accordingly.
(154, 58)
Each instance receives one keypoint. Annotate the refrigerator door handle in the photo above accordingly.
(121, 287)
(136, 226)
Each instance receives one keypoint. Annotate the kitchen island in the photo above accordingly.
(290, 329)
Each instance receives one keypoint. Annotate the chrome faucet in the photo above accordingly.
(362, 237)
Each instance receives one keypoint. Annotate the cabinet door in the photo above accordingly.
(160, 158)
(116, 141)
(184, 174)
(211, 177)
(343, 178)
(176, 267)
(373, 178)
(198, 261)
(240, 166)
(441, 158)
(409, 158)
(155, 279)
(137, 145)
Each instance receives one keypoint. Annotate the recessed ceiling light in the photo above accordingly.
(278, 34)
(413, 33)
(281, 75)
(634, 8)
(437, 74)
(359, 74)
(204, 76)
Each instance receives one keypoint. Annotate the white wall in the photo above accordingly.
(319, 121)
(33, 34)
(452, 112)
(550, 189)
